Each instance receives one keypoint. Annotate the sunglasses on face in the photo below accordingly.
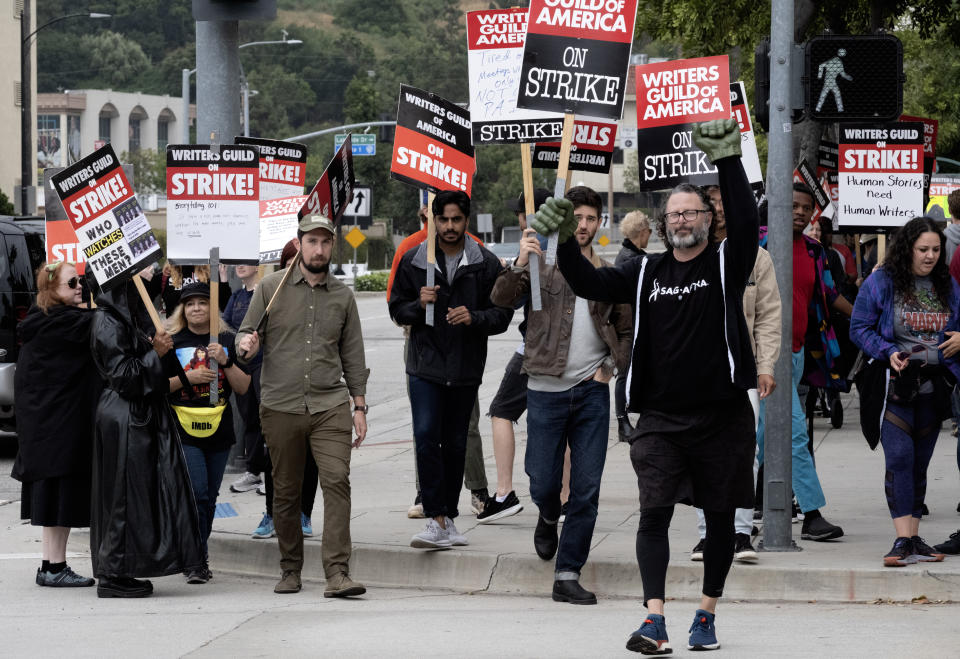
(72, 282)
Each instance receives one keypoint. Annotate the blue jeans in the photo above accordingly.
(581, 417)
(441, 418)
(206, 472)
(806, 484)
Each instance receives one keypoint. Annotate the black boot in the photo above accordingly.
(123, 587)
(570, 590)
(545, 539)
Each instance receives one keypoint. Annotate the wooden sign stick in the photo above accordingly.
(859, 256)
(560, 187)
(431, 256)
(148, 303)
(214, 322)
(881, 248)
(526, 160)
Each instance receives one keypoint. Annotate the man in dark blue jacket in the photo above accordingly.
(445, 361)
(691, 367)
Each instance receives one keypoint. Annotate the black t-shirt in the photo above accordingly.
(689, 366)
(190, 350)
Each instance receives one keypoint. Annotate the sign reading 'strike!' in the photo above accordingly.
(576, 55)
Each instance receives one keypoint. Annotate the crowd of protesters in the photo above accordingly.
(126, 425)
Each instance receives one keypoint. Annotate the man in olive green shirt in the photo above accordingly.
(313, 363)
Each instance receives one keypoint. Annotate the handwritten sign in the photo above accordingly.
(212, 201)
(278, 225)
(881, 174)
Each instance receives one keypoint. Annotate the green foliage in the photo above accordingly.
(269, 118)
(6, 207)
(375, 281)
(932, 88)
(377, 253)
(121, 61)
(149, 170)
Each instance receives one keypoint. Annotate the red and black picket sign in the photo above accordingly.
(332, 192)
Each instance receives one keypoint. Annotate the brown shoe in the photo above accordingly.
(289, 583)
(341, 585)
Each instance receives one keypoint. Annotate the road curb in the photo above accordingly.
(525, 574)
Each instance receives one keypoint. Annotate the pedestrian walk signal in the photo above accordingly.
(854, 78)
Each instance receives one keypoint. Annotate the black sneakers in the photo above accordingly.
(696, 554)
(901, 554)
(819, 529)
(743, 551)
(951, 546)
(494, 510)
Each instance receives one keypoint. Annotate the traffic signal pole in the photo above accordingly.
(777, 498)
(218, 81)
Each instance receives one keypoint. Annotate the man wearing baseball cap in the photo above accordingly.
(313, 364)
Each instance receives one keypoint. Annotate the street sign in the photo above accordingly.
(361, 204)
(855, 78)
(364, 144)
(355, 237)
(485, 222)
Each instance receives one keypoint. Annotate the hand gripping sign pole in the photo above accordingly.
(214, 322)
(431, 256)
(529, 203)
(560, 187)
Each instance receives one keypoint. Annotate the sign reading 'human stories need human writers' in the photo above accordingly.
(881, 174)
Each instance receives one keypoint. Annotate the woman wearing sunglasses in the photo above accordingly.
(57, 389)
(903, 316)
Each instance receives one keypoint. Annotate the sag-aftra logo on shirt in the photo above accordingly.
(675, 291)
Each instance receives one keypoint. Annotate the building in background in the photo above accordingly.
(10, 92)
(72, 124)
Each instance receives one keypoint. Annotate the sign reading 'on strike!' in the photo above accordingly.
(576, 56)
(683, 91)
(432, 148)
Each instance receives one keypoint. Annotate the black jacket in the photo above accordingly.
(56, 391)
(736, 254)
(628, 252)
(452, 355)
(144, 517)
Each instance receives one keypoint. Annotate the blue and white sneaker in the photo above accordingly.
(703, 632)
(265, 530)
(651, 638)
(306, 525)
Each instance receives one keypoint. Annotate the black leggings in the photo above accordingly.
(653, 551)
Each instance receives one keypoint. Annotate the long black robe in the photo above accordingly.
(56, 390)
(144, 518)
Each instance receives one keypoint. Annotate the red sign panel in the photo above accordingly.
(683, 91)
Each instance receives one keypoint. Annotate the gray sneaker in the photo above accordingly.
(457, 539)
(433, 536)
(245, 483)
(66, 578)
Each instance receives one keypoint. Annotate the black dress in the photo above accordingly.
(144, 518)
(57, 388)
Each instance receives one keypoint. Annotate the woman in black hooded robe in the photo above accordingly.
(143, 519)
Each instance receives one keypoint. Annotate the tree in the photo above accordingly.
(283, 100)
(149, 170)
(117, 60)
(6, 208)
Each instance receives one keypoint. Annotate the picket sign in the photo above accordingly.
(529, 203)
(214, 321)
(431, 256)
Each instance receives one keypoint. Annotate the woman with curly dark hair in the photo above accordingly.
(902, 317)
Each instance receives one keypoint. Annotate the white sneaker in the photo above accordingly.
(262, 489)
(245, 483)
(433, 536)
(457, 539)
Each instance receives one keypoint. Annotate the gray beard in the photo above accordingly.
(692, 239)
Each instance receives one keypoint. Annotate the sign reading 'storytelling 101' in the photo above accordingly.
(576, 55)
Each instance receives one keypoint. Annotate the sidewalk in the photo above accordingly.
(501, 559)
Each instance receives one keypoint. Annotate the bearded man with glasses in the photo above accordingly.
(690, 370)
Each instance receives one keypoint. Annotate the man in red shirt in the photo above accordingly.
(809, 280)
(474, 473)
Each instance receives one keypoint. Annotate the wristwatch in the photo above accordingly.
(361, 408)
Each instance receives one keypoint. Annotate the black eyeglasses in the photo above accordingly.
(688, 215)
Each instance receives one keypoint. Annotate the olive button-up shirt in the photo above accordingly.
(312, 345)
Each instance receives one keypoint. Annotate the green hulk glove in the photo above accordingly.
(718, 139)
(555, 215)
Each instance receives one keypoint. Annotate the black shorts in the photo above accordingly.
(704, 459)
(511, 399)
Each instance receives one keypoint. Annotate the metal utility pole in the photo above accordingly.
(26, 118)
(218, 78)
(185, 108)
(777, 497)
